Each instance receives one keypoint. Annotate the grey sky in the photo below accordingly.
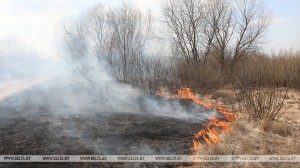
(39, 22)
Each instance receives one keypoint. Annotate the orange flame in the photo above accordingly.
(210, 134)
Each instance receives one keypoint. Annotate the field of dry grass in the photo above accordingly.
(249, 136)
(258, 137)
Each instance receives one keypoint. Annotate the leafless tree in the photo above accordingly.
(224, 30)
(130, 33)
(99, 32)
(252, 20)
(219, 28)
(118, 37)
(184, 18)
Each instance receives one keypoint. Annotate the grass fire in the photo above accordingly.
(215, 126)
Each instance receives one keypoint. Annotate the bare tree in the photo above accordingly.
(220, 21)
(100, 32)
(184, 18)
(116, 36)
(224, 30)
(130, 35)
(252, 21)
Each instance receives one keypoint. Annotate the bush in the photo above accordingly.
(258, 91)
(199, 77)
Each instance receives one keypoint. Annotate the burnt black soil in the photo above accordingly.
(29, 128)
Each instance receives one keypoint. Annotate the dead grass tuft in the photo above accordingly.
(267, 125)
(282, 129)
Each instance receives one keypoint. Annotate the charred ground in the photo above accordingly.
(30, 128)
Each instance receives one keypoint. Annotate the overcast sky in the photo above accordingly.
(39, 22)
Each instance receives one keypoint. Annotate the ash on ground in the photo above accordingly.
(31, 125)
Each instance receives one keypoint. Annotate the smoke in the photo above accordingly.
(89, 85)
(82, 105)
(19, 61)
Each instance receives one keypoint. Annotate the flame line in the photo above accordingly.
(210, 133)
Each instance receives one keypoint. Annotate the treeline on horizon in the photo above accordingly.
(204, 45)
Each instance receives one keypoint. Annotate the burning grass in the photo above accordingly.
(210, 133)
(258, 137)
(34, 129)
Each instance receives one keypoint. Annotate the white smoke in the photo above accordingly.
(84, 90)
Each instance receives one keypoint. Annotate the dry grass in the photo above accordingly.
(261, 103)
(260, 137)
